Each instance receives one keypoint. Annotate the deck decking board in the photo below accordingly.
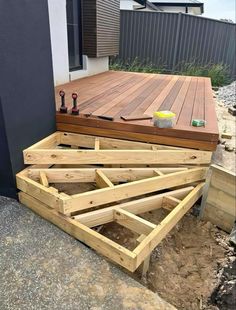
(180, 98)
(142, 94)
(169, 100)
(199, 103)
(158, 101)
(126, 93)
(132, 94)
(187, 107)
(108, 104)
(152, 96)
(97, 101)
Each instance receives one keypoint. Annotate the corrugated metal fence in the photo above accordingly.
(171, 39)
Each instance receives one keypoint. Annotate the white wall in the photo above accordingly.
(59, 44)
(176, 9)
(131, 5)
(91, 66)
(127, 4)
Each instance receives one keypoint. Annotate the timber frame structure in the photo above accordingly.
(56, 149)
(174, 184)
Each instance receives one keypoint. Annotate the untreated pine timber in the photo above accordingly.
(138, 206)
(102, 196)
(100, 243)
(88, 175)
(133, 222)
(88, 141)
(158, 234)
(69, 156)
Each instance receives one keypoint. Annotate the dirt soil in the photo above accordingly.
(184, 268)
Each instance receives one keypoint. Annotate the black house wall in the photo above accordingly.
(27, 110)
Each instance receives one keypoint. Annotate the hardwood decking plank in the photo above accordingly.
(170, 98)
(82, 85)
(180, 98)
(144, 94)
(210, 112)
(199, 102)
(187, 107)
(127, 97)
(103, 110)
(148, 101)
(158, 101)
(106, 102)
(91, 104)
(130, 95)
(134, 136)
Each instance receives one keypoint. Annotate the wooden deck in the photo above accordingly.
(123, 93)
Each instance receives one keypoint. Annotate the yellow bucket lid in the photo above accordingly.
(164, 114)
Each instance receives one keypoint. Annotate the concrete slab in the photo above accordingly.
(42, 267)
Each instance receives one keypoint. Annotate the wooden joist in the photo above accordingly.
(107, 192)
(151, 234)
(80, 157)
(70, 158)
(158, 234)
(106, 195)
(108, 151)
(138, 206)
(133, 222)
(88, 175)
(101, 244)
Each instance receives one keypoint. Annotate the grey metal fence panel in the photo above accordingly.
(171, 39)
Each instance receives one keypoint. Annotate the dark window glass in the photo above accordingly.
(74, 31)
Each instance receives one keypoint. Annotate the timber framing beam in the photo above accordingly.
(149, 176)
(100, 150)
(151, 234)
(107, 192)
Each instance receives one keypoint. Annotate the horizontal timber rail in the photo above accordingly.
(107, 192)
(150, 234)
(49, 151)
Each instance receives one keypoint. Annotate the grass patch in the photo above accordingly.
(219, 73)
(134, 66)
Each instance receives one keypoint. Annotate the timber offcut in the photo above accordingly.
(117, 105)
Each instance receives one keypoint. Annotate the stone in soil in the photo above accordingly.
(227, 94)
(229, 147)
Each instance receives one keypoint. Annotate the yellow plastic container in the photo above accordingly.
(164, 119)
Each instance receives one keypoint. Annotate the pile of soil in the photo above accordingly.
(185, 268)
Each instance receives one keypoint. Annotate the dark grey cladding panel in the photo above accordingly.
(26, 82)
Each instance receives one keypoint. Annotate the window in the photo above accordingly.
(74, 32)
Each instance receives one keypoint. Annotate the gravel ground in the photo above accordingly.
(227, 94)
(41, 267)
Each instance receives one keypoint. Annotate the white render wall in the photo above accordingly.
(179, 9)
(59, 45)
(127, 4)
(91, 66)
(131, 5)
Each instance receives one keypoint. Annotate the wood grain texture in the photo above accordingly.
(219, 203)
(126, 93)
